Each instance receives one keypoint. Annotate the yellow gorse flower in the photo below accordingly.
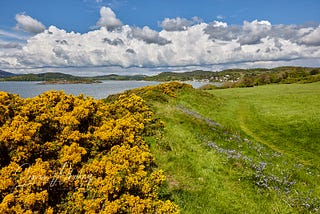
(73, 154)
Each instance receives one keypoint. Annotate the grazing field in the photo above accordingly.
(241, 150)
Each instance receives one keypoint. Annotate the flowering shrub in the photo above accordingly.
(160, 92)
(73, 154)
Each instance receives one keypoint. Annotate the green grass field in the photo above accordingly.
(241, 150)
(284, 117)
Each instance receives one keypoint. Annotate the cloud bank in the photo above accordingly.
(180, 43)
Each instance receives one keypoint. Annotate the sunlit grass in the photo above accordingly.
(262, 158)
(286, 116)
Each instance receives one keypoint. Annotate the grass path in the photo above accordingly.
(243, 113)
(286, 118)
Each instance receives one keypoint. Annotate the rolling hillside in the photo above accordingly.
(241, 150)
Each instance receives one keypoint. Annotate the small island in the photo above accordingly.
(78, 81)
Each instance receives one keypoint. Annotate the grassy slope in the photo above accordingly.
(264, 158)
(285, 117)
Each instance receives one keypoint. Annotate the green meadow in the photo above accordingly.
(240, 150)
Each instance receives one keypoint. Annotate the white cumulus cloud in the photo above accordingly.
(313, 38)
(178, 24)
(149, 36)
(108, 19)
(29, 24)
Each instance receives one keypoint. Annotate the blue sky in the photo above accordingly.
(181, 35)
(80, 15)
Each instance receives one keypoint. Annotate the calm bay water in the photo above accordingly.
(96, 90)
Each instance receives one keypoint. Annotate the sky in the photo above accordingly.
(94, 37)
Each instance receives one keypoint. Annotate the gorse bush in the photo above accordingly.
(74, 154)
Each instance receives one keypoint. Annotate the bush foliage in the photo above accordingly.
(285, 75)
(74, 154)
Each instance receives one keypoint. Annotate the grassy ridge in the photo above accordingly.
(242, 150)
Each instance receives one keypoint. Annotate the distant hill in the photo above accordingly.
(229, 77)
(50, 78)
(245, 77)
(57, 76)
(279, 75)
(41, 77)
(185, 76)
(6, 74)
(120, 77)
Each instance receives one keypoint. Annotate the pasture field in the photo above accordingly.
(241, 150)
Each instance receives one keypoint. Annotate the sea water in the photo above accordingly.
(96, 90)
